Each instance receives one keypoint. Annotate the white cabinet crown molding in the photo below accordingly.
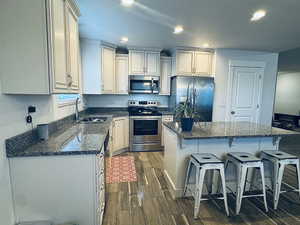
(150, 49)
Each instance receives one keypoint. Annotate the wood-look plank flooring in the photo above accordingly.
(148, 202)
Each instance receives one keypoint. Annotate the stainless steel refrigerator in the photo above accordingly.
(205, 94)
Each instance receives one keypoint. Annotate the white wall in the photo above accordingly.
(223, 57)
(13, 110)
(121, 100)
(288, 93)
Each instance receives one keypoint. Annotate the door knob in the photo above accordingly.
(232, 112)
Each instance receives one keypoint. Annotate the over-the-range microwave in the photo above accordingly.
(143, 84)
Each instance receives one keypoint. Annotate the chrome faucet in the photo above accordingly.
(76, 110)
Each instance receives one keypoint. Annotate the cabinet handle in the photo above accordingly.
(69, 80)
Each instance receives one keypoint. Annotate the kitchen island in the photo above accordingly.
(218, 138)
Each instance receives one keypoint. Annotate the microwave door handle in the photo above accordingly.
(152, 85)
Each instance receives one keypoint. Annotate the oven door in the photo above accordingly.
(145, 133)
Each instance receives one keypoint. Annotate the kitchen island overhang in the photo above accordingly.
(218, 138)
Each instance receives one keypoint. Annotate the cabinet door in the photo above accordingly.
(167, 118)
(184, 62)
(152, 63)
(137, 62)
(121, 75)
(108, 70)
(59, 46)
(165, 76)
(126, 132)
(72, 38)
(203, 63)
(118, 134)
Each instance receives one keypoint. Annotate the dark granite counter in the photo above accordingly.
(114, 112)
(73, 139)
(228, 130)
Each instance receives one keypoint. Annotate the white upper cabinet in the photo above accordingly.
(72, 40)
(192, 62)
(45, 56)
(144, 62)
(104, 72)
(165, 75)
(98, 67)
(108, 70)
(137, 62)
(202, 62)
(121, 74)
(184, 62)
(152, 63)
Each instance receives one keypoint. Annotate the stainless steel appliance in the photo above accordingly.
(144, 84)
(144, 125)
(205, 94)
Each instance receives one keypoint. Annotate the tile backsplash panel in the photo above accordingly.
(122, 100)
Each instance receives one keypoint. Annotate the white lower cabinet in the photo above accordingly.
(62, 189)
(165, 118)
(120, 135)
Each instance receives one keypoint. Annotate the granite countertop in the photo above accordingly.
(204, 130)
(74, 139)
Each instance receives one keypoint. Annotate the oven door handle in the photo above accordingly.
(145, 117)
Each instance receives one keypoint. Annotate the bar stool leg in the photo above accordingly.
(298, 176)
(187, 176)
(262, 173)
(241, 186)
(222, 174)
(278, 185)
(199, 186)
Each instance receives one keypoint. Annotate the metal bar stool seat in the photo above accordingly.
(279, 161)
(244, 161)
(203, 162)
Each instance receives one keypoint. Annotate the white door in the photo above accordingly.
(137, 62)
(184, 62)
(245, 94)
(152, 63)
(108, 70)
(165, 77)
(202, 63)
(121, 75)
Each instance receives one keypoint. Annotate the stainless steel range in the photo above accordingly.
(144, 125)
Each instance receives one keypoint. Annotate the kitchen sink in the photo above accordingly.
(93, 119)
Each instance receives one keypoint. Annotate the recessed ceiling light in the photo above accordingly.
(127, 3)
(124, 40)
(205, 45)
(258, 15)
(178, 29)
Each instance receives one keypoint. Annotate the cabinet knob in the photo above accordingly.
(232, 112)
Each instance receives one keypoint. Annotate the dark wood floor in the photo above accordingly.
(158, 208)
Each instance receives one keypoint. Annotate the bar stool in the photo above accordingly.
(243, 161)
(203, 162)
(279, 160)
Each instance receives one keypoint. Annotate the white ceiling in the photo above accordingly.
(221, 23)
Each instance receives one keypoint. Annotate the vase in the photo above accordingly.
(187, 124)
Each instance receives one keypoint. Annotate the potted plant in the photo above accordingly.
(185, 112)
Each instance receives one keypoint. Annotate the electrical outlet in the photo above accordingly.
(29, 119)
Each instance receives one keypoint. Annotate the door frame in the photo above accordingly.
(248, 64)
